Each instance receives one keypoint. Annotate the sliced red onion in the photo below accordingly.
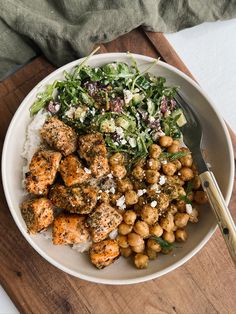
(53, 107)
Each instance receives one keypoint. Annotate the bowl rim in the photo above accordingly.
(177, 264)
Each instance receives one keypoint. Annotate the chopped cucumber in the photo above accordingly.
(137, 99)
(108, 126)
(181, 121)
(126, 123)
(151, 107)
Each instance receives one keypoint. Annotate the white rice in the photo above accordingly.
(82, 247)
(33, 139)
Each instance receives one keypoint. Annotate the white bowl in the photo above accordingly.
(220, 156)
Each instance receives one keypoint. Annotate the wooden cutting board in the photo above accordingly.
(205, 284)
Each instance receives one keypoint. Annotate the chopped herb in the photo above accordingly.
(164, 244)
(173, 156)
(188, 191)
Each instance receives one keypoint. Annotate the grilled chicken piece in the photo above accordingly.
(37, 214)
(102, 221)
(93, 149)
(72, 171)
(104, 253)
(69, 229)
(79, 200)
(42, 171)
(59, 136)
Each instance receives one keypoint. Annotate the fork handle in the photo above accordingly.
(222, 213)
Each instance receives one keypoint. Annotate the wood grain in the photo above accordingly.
(205, 284)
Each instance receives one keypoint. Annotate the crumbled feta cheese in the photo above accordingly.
(121, 202)
(110, 175)
(70, 113)
(116, 143)
(93, 111)
(164, 162)
(162, 180)
(113, 234)
(155, 187)
(127, 96)
(151, 119)
(123, 142)
(87, 170)
(112, 190)
(119, 131)
(189, 209)
(132, 142)
(141, 192)
(153, 203)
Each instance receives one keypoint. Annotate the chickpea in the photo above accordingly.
(119, 171)
(141, 201)
(138, 248)
(174, 180)
(154, 245)
(193, 217)
(104, 197)
(187, 160)
(181, 206)
(124, 229)
(186, 174)
(177, 164)
(141, 260)
(194, 168)
(149, 214)
(151, 254)
(163, 201)
(181, 219)
(139, 173)
(173, 149)
(166, 141)
(155, 151)
(117, 159)
(181, 191)
(156, 230)
(169, 168)
(124, 185)
(184, 150)
(176, 142)
(167, 223)
(114, 198)
(135, 239)
(141, 227)
(153, 164)
(181, 235)
(152, 176)
(172, 209)
(131, 197)
(169, 236)
(172, 191)
(129, 217)
(200, 197)
(175, 228)
(196, 183)
(126, 252)
(122, 241)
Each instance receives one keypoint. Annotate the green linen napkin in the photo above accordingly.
(64, 30)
